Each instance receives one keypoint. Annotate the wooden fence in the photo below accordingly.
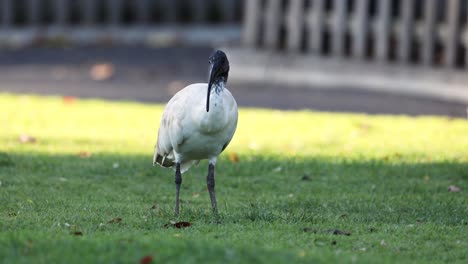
(418, 32)
(68, 13)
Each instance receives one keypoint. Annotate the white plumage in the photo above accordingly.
(188, 133)
(198, 123)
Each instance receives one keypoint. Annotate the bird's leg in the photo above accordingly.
(210, 181)
(178, 182)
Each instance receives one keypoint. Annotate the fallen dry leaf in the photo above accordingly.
(69, 100)
(27, 139)
(364, 127)
(101, 71)
(233, 157)
(332, 231)
(84, 154)
(115, 220)
(453, 188)
(146, 259)
(339, 232)
(178, 224)
(310, 230)
(182, 224)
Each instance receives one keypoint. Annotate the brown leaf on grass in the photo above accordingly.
(12, 214)
(310, 230)
(339, 232)
(24, 138)
(179, 225)
(146, 259)
(84, 154)
(306, 178)
(364, 127)
(115, 220)
(395, 155)
(332, 231)
(233, 157)
(182, 224)
(77, 233)
(101, 71)
(68, 100)
(453, 188)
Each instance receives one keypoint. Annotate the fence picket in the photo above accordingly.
(89, 11)
(272, 23)
(33, 12)
(360, 28)
(199, 7)
(61, 12)
(383, 30)
(338, 26)
(115, 10)
(315, 24)
(405, 30)
(228, 10)
(7, 17)
(142, 11)
(453, 27)
(295, 25)
(170, 11)
(251, 23)
(466, 37)
(429, 32)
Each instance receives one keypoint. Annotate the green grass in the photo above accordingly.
(384, 179)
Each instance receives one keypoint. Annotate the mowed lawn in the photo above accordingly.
(77, 185)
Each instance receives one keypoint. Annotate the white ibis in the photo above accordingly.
(198, 123)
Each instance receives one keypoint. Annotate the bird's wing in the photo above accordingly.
(233, 112)
(170, 132)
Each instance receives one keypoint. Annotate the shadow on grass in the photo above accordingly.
(261, 189)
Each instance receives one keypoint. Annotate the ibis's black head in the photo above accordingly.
(218, 73)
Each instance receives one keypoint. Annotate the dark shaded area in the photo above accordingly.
(154, 75)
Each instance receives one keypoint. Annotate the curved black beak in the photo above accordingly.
(218, 73)
(210, 84)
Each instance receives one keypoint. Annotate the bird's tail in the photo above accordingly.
(167, 163)
(162, 161)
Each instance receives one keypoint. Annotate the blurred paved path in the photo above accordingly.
(154, 75)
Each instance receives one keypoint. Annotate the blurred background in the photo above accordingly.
(371, 56)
